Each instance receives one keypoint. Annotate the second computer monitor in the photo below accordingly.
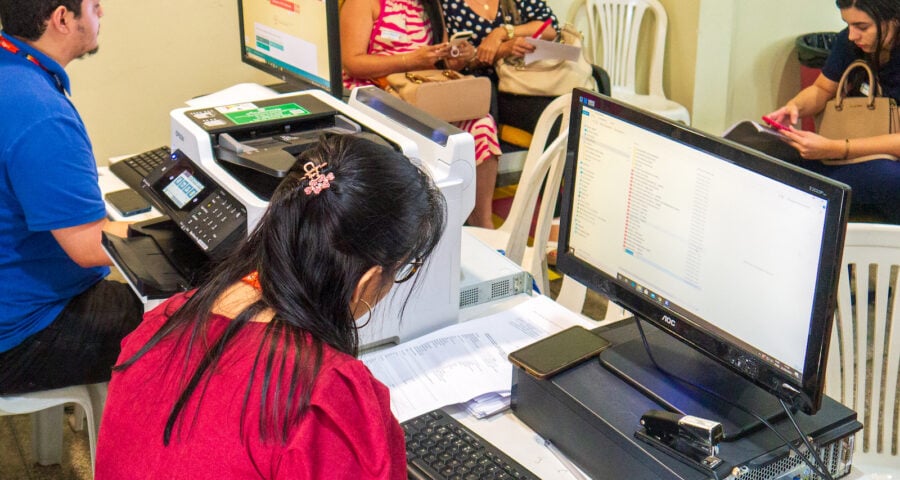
(297, 41)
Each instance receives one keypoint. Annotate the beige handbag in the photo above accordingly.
(857, 117)
(445, 94)
(547, 77)
(543, 78)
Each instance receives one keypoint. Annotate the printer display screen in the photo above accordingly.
(183, 188)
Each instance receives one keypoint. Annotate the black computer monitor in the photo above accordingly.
(733, 254)
(297, 41)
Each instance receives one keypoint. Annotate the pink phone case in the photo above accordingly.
(774, 124)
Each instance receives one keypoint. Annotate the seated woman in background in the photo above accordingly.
(873, 34)
(381, 37)
(254, 374)
(496, 35)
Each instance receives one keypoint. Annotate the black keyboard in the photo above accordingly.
(134, 169)
(440, 447)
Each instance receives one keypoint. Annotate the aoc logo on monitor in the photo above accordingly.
(668, 320)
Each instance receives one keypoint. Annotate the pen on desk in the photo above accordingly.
(543, 27)
(569, 466)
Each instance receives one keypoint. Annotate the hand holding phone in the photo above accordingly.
(460, 37)
(777, 126)
(457, 40)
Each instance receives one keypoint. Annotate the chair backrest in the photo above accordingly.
(543, 167)
(614, 33)
(864, 356)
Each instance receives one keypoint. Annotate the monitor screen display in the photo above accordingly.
(294, 40)
(733, 253)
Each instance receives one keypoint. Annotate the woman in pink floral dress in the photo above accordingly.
(380, 37)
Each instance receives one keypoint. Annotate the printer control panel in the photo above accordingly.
(212, 217)
(211, 222)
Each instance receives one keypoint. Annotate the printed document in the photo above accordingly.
(546, 49)
(466, 360)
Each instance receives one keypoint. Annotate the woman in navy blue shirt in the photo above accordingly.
(873, 34)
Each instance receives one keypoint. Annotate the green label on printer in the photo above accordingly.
(263, 114)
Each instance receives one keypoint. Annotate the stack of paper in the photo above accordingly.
(465, 361)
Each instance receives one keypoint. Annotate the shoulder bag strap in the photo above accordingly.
(874, 87)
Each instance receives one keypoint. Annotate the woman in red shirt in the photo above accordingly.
(254, 374)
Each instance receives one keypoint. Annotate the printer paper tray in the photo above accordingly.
(145, 265)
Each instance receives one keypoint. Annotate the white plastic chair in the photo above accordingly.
(540, 163)
(614, 28)
(864, 356)
(46, 409)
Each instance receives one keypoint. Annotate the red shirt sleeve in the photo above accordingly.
(348, 432)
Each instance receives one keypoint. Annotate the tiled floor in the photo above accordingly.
(17, 461)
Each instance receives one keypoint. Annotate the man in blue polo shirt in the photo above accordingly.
(60, 322)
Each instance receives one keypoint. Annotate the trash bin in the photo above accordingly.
(812, 50)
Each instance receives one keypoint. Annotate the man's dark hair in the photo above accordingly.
(28, 18)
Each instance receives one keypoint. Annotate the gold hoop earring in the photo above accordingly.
(369, 319)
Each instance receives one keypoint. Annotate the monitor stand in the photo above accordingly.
(296, 86)
(629, 360)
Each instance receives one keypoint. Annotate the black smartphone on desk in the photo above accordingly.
(127, 202)
(559, 351)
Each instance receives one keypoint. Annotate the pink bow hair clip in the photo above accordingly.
(317, 181)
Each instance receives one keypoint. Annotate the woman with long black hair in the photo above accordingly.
(254, 374)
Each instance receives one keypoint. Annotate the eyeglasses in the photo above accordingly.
(407, 270)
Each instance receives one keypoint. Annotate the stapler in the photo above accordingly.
(690, 438)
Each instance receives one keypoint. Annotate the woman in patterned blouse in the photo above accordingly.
(495, 35)
(380, 37)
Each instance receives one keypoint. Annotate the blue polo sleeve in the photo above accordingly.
(54, 175)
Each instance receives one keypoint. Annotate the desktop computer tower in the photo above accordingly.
(487, 276)
(591, 415)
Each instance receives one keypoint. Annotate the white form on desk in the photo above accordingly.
(458, 363)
